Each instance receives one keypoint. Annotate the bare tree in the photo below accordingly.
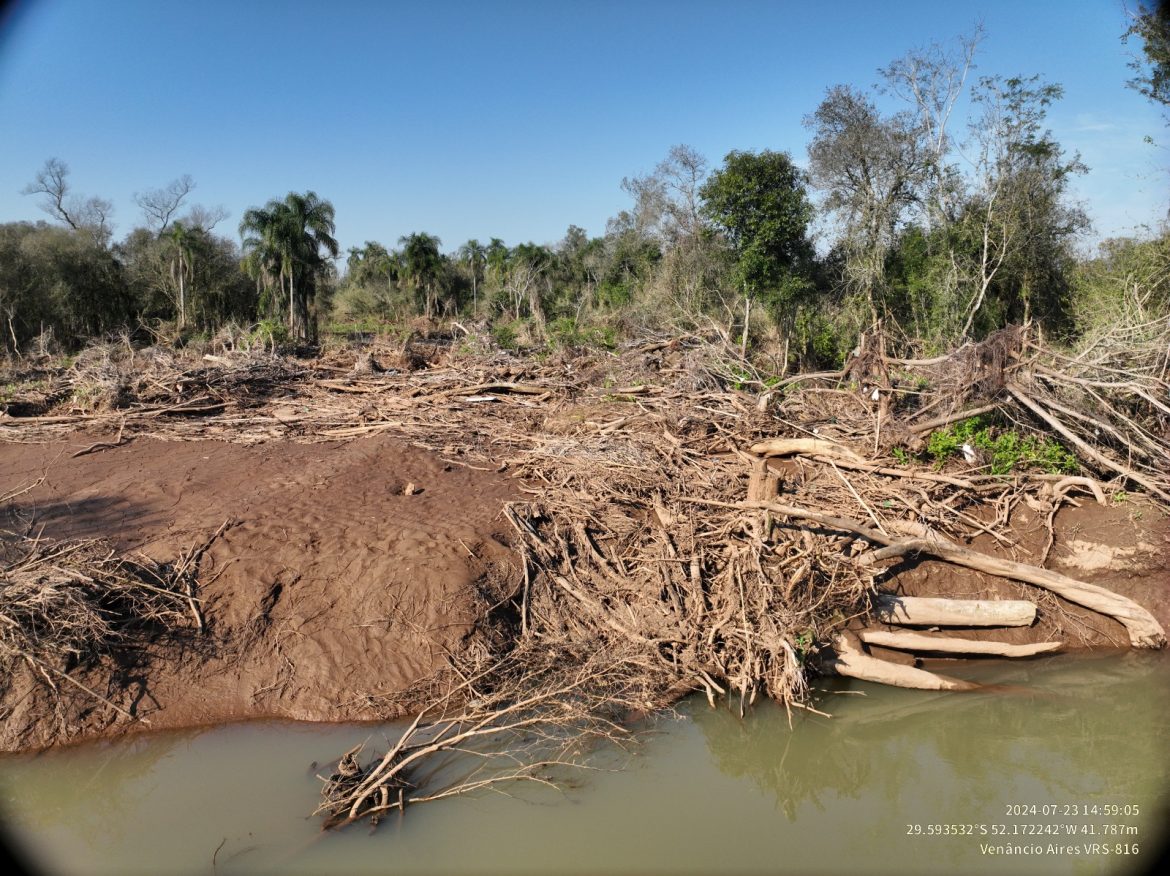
(930, 81)
(81, 214)
(205, 218)
(159, 206)
(667, 201)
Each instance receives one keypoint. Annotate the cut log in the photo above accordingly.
(949, 645)
(922, 611)
(764, 484)
(811, 446)
(851, 662)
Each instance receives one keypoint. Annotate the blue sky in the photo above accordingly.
(509, 119)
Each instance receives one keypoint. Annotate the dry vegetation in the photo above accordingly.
(692, 525)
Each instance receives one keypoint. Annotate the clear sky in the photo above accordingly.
(505, 118)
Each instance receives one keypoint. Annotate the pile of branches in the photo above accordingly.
(116, 381)
(64, 606)
(529, 716)
(717, 530)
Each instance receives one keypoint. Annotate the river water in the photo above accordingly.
(1064, 767)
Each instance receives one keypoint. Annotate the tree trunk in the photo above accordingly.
(291, 313)
(934, 612)
(182, 294)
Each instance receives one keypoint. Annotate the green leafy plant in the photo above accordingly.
(505, 334)
(269, 333)
(1005, 450)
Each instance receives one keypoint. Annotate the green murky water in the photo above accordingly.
(1065, 771)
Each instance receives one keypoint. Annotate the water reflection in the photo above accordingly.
(1066, 732)
(707, 793)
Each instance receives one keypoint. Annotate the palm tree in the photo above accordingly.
(475, 254)
(264, 259)
(183, 241)
(290, 236)
(423, 266)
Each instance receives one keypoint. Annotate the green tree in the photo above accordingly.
(474, 255)
(1017, 225)
(59, 279)
(759, 201)
(497, 260)
(183, 241)
(1151, 25)
(289, 241)
(871, 168)
(422, 265)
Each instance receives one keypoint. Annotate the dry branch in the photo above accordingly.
(810, 446)
(1084, 448)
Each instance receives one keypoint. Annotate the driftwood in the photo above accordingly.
(903, 641)
(923, 611)
(1144, 631)
(852, 662)
(810, 446)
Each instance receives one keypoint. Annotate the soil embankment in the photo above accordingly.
(329, 591)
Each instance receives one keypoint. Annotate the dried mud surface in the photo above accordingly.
(329, 590)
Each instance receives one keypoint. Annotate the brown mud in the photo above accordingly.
(326, 579)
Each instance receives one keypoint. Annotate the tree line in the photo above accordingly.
(940, 227)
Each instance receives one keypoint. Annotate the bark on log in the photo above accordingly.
(948, 645)
(850, 661)
(931, 612)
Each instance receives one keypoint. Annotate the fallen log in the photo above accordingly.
(925, 611)
(903, 641)
(852, 662)
(810, 446)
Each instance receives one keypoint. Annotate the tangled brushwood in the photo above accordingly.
(715, 531)
(696, 525)
(69, 605)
